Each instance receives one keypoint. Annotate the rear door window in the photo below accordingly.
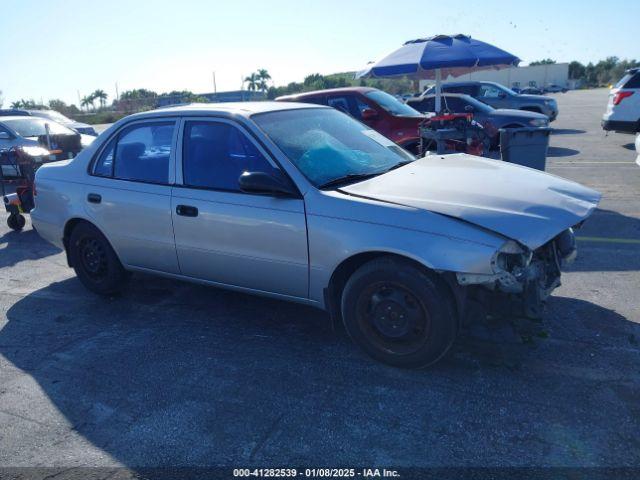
(633, 81)
(466, 89)
(139, 153)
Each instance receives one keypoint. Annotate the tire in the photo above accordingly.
(16, 222)
(398, 313)
(94, 261)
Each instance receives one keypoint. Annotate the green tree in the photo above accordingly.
(576, 70)
(252, 82)
(544, 61)
(263, 79)
(86, 101)
(101, 96)
(57, 105)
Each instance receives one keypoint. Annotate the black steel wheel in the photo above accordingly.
(94, 260)
(16, 222)
(399, 313)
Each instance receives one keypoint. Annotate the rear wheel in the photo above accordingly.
(16, 222)
(94, 261)
(398, 313)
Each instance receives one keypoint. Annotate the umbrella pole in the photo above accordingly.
(439, 141)
(438, 90)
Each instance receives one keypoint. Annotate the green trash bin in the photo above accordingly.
(525, 146)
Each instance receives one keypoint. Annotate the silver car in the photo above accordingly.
(303, 203)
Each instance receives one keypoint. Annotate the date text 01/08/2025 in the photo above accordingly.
(315, 472)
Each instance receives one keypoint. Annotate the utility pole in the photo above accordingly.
(79, 100)
(117, 94)
(215, 89)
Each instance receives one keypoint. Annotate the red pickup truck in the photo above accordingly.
(375, 108)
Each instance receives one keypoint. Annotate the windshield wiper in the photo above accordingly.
(399, 164)
(350, 178)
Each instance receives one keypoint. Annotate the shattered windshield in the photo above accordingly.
(326, 144)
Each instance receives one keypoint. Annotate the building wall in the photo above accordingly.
(538, 75)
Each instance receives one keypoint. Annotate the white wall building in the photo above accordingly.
(536, 76)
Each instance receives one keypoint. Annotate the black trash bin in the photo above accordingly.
(525, 146)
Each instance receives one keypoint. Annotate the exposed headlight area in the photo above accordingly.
(35, 151)
(527, 276)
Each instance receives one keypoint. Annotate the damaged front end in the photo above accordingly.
(523, 279)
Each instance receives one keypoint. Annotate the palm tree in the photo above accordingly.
(16, 104)
(86, 101)
(252, 82)
(101, 96)
(263, 77)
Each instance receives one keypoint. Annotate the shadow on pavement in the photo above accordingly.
(567, 131)
(629, 146)
(16, 247)
(561, 152)
(171, 374)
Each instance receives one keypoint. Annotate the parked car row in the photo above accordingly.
(39, 138)
(491, 119)
(302, 202)
(57, 117)
(499, 96)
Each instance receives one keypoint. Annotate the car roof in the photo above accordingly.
(19, 117)
(14, 112)
(315, 93)
(245, 109)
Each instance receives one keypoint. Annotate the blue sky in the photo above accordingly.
(55, 48)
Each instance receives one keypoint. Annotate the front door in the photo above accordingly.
(128, 195)
(493, 96)
(227, 236)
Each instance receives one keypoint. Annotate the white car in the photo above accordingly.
(638, 149)
(304, 203)
(623, 109)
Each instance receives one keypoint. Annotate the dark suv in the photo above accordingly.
(499, 96)
(375, 108)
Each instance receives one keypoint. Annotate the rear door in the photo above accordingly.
(225, 235)
(128, 194)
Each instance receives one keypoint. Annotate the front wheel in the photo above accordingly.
(398, 313)
(94, 261)
(16, 222)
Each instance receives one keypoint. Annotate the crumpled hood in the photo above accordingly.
(520, 203)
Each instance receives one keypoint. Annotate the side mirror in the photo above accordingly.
(5, 136)
(369, 114)
(264, 184)
(468, 108)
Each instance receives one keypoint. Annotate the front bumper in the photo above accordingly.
(522, 282)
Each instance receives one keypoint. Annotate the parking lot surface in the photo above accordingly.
(173, 374)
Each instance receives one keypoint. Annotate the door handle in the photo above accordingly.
(187, 211)
(94, 198)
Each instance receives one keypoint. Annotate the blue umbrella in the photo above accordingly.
(431, 57)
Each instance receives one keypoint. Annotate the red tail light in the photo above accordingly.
(621, 96)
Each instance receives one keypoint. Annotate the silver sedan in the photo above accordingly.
(303, 203)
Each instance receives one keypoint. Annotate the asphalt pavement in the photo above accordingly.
(173, 374)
